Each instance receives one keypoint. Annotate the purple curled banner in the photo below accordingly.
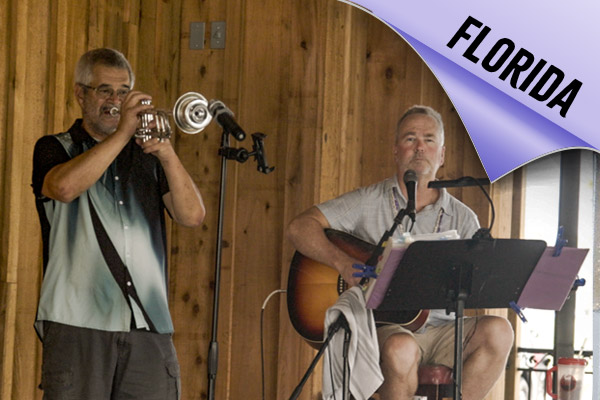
(522, 75)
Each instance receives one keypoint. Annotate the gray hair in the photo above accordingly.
(424, 110)
(106, 57)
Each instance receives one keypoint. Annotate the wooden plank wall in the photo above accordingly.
(325, 81)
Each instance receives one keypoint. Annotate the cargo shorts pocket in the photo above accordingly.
(174, 389)
(57, 385)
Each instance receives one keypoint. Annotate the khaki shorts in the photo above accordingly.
(436, 343)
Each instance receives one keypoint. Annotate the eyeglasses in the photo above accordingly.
(106, 92)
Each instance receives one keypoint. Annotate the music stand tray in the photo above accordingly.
(459, 274)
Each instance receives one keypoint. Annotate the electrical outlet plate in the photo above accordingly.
(197, 35)
(217, 35)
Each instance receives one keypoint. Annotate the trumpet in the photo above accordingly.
(190, 113)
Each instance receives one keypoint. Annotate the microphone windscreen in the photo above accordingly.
(410, 176)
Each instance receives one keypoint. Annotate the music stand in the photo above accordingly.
(459, 274)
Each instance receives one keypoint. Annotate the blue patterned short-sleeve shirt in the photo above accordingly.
(78, 288)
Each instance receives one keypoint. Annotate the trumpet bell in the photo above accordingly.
(191, 113)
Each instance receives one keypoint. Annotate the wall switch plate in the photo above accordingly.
(197, 35)
(217, 34)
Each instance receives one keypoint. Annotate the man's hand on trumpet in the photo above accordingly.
(130, 110)
(160, 148)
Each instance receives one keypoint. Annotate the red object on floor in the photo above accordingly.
(435, 382)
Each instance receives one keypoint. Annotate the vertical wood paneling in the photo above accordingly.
(325, 81)
(341, 141)
(394, 83)
(130, 39)
(96, 19)
(305, 69)
(258, 207)
(27, 119)
(57, 79)
(193, 252)
(69, 41)
(8, 300)
(5, 88)
(8, 295)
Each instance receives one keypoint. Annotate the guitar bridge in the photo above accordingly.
(341, 285)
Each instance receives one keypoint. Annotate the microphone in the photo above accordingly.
(410, 180)
(224, 117)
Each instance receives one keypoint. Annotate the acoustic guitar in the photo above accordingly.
(313, 287)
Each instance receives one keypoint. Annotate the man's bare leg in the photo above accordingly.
(400, 357)
(485, 356)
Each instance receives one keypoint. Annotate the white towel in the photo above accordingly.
(363, 352)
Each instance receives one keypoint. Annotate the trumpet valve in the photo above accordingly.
(153, 123)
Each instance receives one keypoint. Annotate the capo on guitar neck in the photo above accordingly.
(365, 271)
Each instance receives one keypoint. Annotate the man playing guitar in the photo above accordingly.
(367, 213)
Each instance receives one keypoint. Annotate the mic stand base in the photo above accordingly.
(340, 323)
(458, 345)
(458, 293)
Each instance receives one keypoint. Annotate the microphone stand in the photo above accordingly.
(410, 211)
(374, 258)
(340, 323)
(240, 155)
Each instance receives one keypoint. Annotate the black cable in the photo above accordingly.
(491, 203)
(483, 231)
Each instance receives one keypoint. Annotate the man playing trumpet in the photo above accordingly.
(100, 194)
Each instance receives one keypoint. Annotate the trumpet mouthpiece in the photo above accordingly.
(114, 111)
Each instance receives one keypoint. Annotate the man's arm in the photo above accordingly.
(183, 200)
(67, 181)
(306, 232)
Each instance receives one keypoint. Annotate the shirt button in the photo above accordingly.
(116, 178)
(128, 283)
(121, 202)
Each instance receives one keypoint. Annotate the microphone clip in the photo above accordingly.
(404, 212)
(241, 155)
(259, 153)
(412, 215)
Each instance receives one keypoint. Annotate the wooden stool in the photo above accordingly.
(435, 382)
